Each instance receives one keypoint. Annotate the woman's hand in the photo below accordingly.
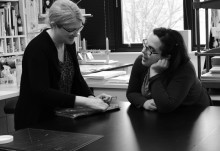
(105, 97)
(97, 104)
(150, 105)
(91, 102)
(159, 67)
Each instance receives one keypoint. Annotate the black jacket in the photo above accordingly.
(183, 89)
(39, 90)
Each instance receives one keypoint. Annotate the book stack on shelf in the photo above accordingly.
(214, 72)
(12, 27)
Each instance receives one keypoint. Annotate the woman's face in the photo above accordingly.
(67, 34)
(151, 52)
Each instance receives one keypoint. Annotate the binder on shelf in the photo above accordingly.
(14, 21)
(2, 21)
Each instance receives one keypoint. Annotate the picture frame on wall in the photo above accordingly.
(44, 6)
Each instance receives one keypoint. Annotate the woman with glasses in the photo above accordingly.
(163, 78)
(51, 76)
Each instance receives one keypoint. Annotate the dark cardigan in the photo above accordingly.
(39, 90)
(184, 88)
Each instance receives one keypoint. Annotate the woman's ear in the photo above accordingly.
(52, 24)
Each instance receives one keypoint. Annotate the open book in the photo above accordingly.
(80, 111)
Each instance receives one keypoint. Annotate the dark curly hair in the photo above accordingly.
(172, 45)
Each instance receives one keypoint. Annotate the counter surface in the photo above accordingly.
(8, 91)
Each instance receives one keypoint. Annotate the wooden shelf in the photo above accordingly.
(12, 42)
(210, 83)
(210, 52)
(12, 54)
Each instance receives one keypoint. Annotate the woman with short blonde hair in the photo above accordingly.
(51, 77)
(65, 13)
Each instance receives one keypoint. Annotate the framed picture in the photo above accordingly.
(44, 6)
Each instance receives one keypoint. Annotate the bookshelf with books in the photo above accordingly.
(13, 39)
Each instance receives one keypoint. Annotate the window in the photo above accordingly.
(202, 25)
(140, 17)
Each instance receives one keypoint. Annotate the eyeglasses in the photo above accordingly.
(150, 50)
(75, 30)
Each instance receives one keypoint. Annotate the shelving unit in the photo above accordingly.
(12, 43)
(210, 4)
(214, 85)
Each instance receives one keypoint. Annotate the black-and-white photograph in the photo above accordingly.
(46, 5)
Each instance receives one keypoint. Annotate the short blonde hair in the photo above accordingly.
(64, 13)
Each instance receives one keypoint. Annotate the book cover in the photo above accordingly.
(2, 27)
(82, 111)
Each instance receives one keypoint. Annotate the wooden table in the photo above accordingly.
(131, 129)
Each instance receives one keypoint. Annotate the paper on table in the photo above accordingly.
(104, 74)
(210, 76)
(120, 79)
(98, 62)
(215, 69)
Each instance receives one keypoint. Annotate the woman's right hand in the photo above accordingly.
(159, 66)
(91, 102)
(97, 104)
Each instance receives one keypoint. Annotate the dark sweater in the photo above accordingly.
(39, 90)
(183, 88)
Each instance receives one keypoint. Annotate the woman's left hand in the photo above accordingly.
(150, 105)
(105, 97)
(159, 67)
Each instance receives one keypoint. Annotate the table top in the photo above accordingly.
(132, 129)
(86, 69)
(8, 91)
